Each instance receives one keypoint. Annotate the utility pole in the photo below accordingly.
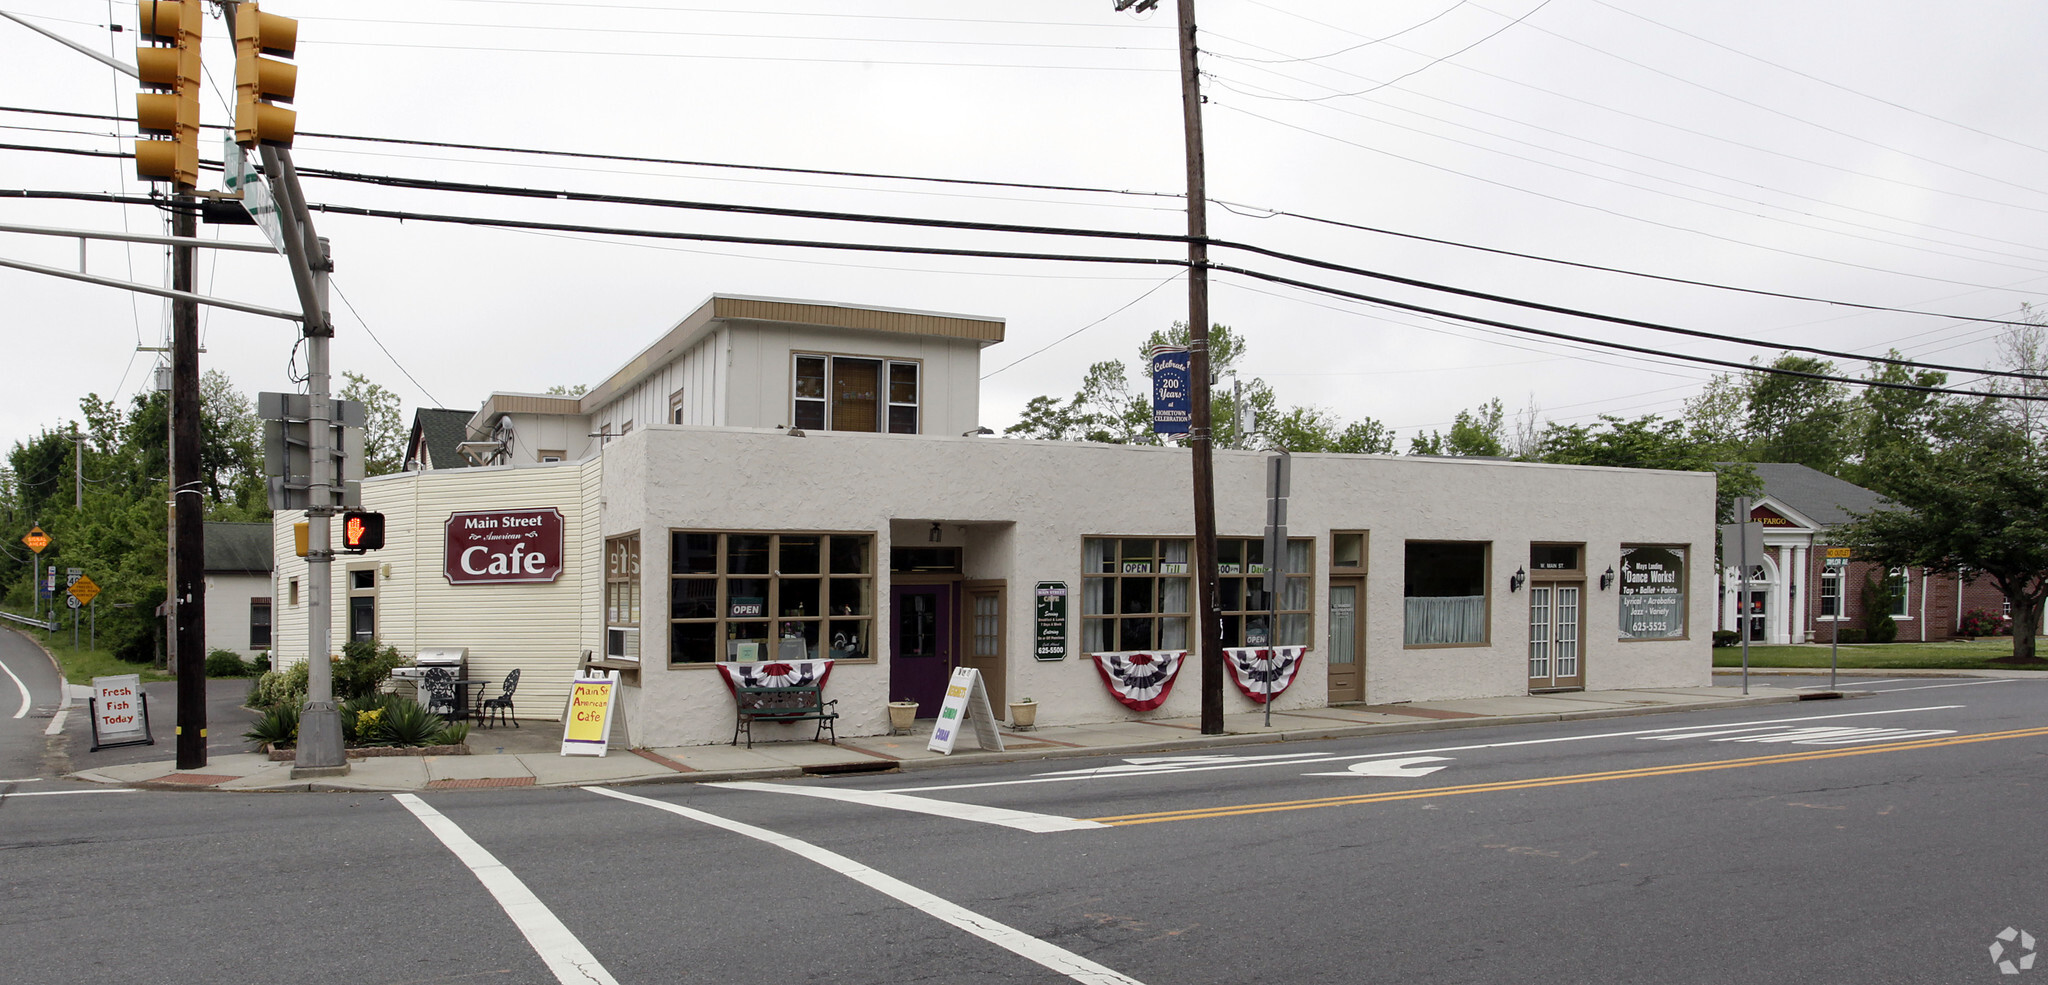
(1209, 631)
(188, 506)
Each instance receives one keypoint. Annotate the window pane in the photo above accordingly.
(1173, 595)
(1098, 596)
(810, 378)
(902, 420)
(850, 555)
(1137, 557)
(693, 554)
(849, 638)
(1136, 595)
(850, 596)
(1094, 635)
(693, 598)
(1298, 554)
(1294, 596)
(1230, 592)
(855, 394)
(800, 555)
(809, 414)
(799, 596)
(1173, 634)
(903, 383)
(1098, 556)
(1134, 634)
(693, 642)
(1293, 631)
(738, 635)
(746, 598)
(746, 554)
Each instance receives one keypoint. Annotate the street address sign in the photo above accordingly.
(36, 539)
(84, 589)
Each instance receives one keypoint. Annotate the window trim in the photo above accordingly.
(348, 629)
(774, 578)
(623, 570)
(883, 402)
(262, 603)
(1903, 608)
(1225, 615)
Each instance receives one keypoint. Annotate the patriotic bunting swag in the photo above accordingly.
(776, 673)
(1261, 670)
(1140, 680)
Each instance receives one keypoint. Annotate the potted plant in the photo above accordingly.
(1024, 714)
(902, 714)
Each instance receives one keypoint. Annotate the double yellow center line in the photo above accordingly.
(1198, 813)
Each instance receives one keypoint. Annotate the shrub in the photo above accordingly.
(362, 719)
(1724, 637)
(225, 663)
(1978, 622)
(1878, 599)
(1848, 634)
(363, 668)
(405, 723)
(286, 687)
(262, 662)
(279, 725)
(453, 734)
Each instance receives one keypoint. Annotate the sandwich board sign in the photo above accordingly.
(966, 698)
(120, 712)
(587, 728)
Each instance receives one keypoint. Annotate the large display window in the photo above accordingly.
(742, 596)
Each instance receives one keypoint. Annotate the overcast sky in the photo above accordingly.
(1884, 153)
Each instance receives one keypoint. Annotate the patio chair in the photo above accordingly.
(500, 708)
(438, 687)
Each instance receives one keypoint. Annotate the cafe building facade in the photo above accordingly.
(780, 491)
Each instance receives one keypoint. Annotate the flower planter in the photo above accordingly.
(287, 753)
(902, 715)
(1024, 715)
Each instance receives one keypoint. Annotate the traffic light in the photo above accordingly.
(171, 108)
(259, 80)
(362, 531)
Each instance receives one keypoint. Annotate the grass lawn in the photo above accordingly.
(84, 663)
(1986, 654)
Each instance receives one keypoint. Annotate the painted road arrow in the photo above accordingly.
(1391, 767)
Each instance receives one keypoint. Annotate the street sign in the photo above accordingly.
(72, 601)
(238, 174)
(36, 539)
(83, 590)
(71, 575)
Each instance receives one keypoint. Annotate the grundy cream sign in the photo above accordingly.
(497, 546)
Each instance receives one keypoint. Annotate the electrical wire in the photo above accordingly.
(1127, 305)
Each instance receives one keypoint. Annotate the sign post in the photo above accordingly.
(965, 698)
(587, 728)
(1051, 607)
(82, 592)
(36, 540)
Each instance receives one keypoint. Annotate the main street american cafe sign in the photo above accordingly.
(490, 547)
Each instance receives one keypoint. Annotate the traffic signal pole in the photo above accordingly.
(188, 502)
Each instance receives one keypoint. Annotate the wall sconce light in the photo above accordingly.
(1607, 578)
(936, 534)
(977, 432)
(1515, 580)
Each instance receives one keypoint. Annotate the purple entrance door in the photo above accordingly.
(920, 645)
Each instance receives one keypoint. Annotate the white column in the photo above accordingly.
(1796, 611)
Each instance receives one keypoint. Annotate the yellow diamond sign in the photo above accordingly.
(36, 540)
(83, 590)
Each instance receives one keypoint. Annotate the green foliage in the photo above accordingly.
(384, 430)
(363, 668)
(362, 718)
(279, 724)
(1725, 637)
(1480, 433)
(1880, 596)
(1798, 419)
(405, 723)
(1849, 635)
(1978, 622)
(452, 734)
(285, 687)
(1647, 442)
(226, 663)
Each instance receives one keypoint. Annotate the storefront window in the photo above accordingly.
(846, 393)
(1135, 594)
(622, 598)
(760, 596)
(1444, 585)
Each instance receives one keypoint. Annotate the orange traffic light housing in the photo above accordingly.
(171, 108)
(260, 82)
(362, 531)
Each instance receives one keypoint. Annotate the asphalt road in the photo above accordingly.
(1887, 839)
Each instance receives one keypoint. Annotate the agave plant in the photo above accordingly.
(405, 723)
(278, 726)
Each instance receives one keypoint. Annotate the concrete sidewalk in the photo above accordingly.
(529, 756)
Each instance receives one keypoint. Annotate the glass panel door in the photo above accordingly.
(1567, 631)
(1539, 636)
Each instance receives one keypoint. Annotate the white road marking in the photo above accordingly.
(1236, 763)
(1009, 938)
(56, 726)
(1854, 683)
(22, 711)
(25, 779)
(563, 953)
(1391, 767)
(66, 793)
(1003, 817)
(1838, 735)
(1930, 687)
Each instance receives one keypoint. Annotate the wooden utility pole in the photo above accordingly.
(1209, 624)
(188, 504)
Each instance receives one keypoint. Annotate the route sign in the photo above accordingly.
(84, 590)
(71, 575)
(72, 601)
(36, 539)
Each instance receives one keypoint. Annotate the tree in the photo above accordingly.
(1893, 424)
(1796, 419)
(1974, 505)
(384, 431)
(1480, 433)
(1648, 442)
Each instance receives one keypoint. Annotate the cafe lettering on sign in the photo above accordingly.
(489, 547)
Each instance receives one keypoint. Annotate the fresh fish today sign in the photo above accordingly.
(1172, 395)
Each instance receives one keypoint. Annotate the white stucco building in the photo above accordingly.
(781, 482)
